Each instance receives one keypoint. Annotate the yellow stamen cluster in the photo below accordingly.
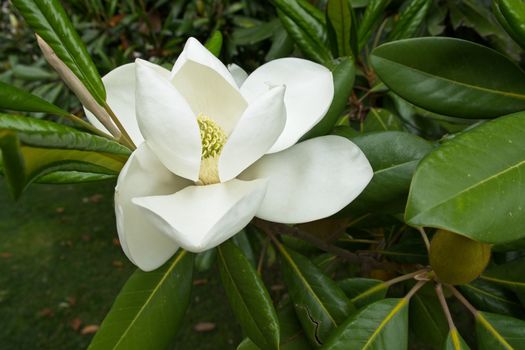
(212, 137)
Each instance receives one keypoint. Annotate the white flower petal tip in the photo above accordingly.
(239, 74)
(309, 94)
(196, 52)
(142, 242)
(167, 122)
(311, 180)
(257, 130)
(199, 218)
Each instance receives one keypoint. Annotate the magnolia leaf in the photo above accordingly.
(15, 99)
(491, 297)
(319, 302)
(484, 201)
(509, 275)
(382, 325)
(451, 76)
(149, 309)
(339, 25)
(49, 20)
(374, 12)
(344, 77)
(248, 297)
(379, 119)
(426, 317)
(410, 20)
(291, 334)
(455, 341)
(496, 332)
(394, 156)
(363, 291)
(214, 43)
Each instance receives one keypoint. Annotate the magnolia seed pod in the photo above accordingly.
(457, 259)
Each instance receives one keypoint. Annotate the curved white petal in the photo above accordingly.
(257, 130)
(144, 175)
(208, 93)
(201, 217)
(239, 74)
(120, 92)
(196, 52)
(311, 180)
(309, 93)
(167, 123)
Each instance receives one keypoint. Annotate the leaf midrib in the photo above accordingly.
(454, 82)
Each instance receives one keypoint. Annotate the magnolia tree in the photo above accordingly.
(386, 172)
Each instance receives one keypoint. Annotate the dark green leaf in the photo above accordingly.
(344, 76)
(427, 320)
(292, 336)
(73, 177)
(496, 332)
(509, 275)
(49, 20)
(373, 13)
(379, 119)
(451, 76)
(380, 326)
(490, 297)
(149, 309)
(319, 303)
(484, 201)
(394, 156)
(339, 23)
(511, 14)
(363, 291)
(410, 20)
(455, 341)
(15, 99)
(248, 297)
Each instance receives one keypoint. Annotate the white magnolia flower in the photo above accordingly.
(216, 148)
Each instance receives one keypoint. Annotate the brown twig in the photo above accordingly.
(444, 306)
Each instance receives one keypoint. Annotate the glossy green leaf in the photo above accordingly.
(339, 23)
(451, 76)
(382, 325)
(363, 291)
(319, 302)
(205, 260)
(511, 14)
(149, 309)
(15, 99)
(373, 13)
(49, 20)
(495, 332)
(410, 20)
(344, 77)
(379, 119)
(394, 156)
(455, 341)
(241, 240)
(248, 297)
(491, 297)
(509, 275)
(484, 201)
(426, 318)
(33, 148)
(42, 133)
(307, 30)
(214, 43)
(292, 336)
(73, 177)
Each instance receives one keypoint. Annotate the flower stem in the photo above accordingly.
(125, 138)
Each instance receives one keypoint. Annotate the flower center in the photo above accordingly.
(213, 139)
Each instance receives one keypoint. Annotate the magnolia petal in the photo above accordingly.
(309, 93)
(239, 74)
(144, 175)
(311, 180)
(201, 217)
(257, 130)
(196, 52)
(167, 123)
(120, 92)
(208, 93)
